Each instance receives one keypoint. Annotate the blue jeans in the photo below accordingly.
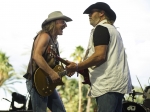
(40, 104)
(110, 102)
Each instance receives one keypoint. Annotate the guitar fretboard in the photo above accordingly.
(62, 60)
(61, 74)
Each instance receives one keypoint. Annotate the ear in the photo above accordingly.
(101, 13)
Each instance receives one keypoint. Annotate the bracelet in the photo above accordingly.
(76, 66)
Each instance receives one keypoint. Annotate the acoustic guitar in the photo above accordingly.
(43, 82)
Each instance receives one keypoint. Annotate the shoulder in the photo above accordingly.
(101, 28)
(43, 36)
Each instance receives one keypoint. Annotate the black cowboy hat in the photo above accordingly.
(102, 6)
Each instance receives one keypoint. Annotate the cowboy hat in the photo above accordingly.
(56, 15)
(102, 6)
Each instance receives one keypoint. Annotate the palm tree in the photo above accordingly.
(5, 68)
(7, 75)
(69, 94)
(83, 91)
(77, 55)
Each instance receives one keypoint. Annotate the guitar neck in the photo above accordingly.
(61, 74)
(62, 60)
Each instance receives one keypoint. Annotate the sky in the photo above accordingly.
(20, 20)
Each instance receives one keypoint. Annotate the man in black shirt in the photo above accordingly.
(106, 60)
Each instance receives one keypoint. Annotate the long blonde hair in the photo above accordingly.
(108, 20)
(49, 28)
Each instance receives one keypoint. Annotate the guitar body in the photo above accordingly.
(43, 83)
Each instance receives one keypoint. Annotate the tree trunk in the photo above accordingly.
(80, 95)
(88, 102)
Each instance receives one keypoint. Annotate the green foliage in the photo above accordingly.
(78, 53)
(69, 93)
(8, 76)
(6, 69)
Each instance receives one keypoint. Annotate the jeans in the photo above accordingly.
(110, 102)
(40, 104)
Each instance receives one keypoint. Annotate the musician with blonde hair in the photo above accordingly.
(40, 58)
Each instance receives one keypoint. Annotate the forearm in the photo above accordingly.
(93, 60)
(40, 61)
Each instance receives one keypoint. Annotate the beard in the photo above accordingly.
(94, 21)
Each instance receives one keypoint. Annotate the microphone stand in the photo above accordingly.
(133, 96)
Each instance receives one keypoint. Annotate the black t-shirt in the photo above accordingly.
(101, 36)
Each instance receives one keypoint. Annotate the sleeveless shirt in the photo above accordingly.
(51, 60)
(113, 75)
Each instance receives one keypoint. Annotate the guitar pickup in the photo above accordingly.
(48, 80)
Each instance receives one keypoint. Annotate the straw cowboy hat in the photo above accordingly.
(56, 15)
(102, 6)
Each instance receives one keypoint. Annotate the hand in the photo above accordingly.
(72, 67)
(68, 62)
(55, 77)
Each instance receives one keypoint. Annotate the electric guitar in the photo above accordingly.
(43, 82)
(84, 72)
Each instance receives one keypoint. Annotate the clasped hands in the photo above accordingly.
(71, 68)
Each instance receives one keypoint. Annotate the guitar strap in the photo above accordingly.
(56, 46)
(57, 51)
